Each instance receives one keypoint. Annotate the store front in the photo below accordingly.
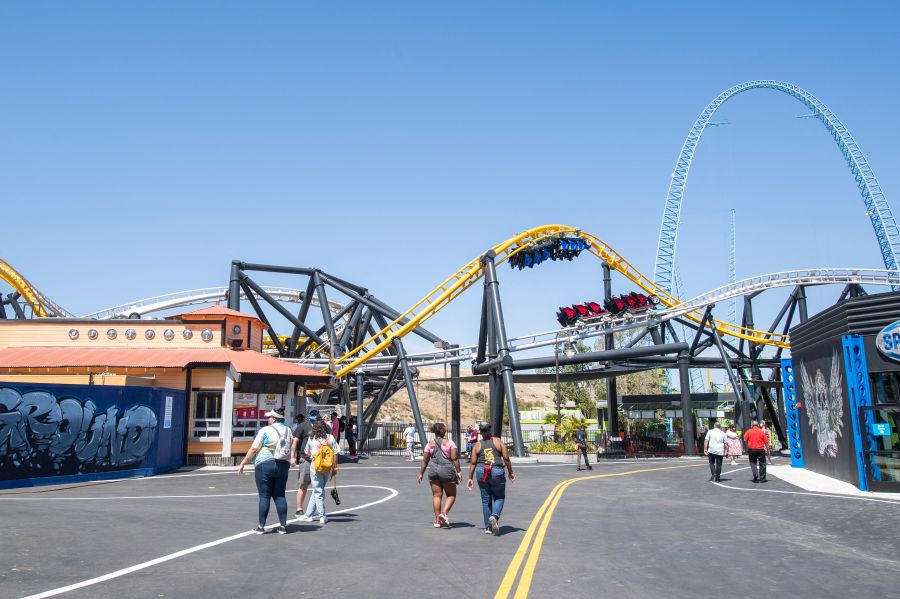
(842, 390)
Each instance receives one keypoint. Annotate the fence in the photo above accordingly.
(388, 438)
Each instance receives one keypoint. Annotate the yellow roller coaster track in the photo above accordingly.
(23, 287)
(472, 272)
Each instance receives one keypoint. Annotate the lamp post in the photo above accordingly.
(558, 401)
(569, 351)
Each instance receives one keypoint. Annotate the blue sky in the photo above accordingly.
(145, 145)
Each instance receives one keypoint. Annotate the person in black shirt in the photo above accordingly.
(302, 429)
(581, 444)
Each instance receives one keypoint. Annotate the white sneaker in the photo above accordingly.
(304, 518)
(323, 520)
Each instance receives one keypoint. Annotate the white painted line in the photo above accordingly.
(133, 497)
(196, 548)
(757, 490)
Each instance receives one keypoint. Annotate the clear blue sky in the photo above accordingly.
(145, 145)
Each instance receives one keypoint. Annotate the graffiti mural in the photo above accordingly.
(42, 435)
(824, 404)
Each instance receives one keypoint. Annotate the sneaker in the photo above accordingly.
(281, 530)
(437, 523)
(323, 520)
(733, 463)
(495, 525)
(442, 519)
(590, 467)
(304, 518)
(259, 530)
(299, 513)
(487, 531)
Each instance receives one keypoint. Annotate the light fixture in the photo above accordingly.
(73, 334)
(187, 333)
(130, 334)
(207, 335)
(236, 329)
(149, 334)
(569, 349)
(169, 334)
(112, 334)
(93, 334)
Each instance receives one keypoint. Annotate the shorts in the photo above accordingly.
(303, 476)
(409, 445)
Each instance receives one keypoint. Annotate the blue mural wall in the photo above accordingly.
(55, 434)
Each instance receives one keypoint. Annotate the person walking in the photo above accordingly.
(581, 444)
(471, 438)
(409, 433)
(734, 447)
(489, 458)
(270, 452)
(441, 459)
(302, 430)
(701, 436)
(336, 427)
(714, 448)
(757, 441)
(352, 435)
(322, 450)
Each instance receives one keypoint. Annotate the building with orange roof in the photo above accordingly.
(213, 354)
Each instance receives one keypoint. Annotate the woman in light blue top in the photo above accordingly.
(271, 474)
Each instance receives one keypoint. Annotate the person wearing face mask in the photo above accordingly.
(441, 459)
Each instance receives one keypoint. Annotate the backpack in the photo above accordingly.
(440, 467)
(324, 460)
(283, 444)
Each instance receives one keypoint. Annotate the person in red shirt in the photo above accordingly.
(757, 442)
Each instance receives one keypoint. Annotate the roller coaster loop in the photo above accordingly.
(886, 231)
(473, 271)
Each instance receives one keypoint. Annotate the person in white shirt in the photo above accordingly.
(409, 434)
(714, 448)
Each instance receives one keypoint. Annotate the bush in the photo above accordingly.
(553, 447)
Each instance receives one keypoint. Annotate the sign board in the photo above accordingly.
(269, 401)
(888, 341)
(245, 406)
(881, 429)
(602, 404)
(167, 413)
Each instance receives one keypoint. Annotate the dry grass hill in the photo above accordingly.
(434, 399)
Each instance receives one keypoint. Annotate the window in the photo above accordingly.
(207, 414)
(885, 387)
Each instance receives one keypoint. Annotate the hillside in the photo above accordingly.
(434, 399)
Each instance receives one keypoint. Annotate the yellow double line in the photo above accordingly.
(538, 529)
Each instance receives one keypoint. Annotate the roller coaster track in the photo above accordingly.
(193, 297)
(473, 271)
(877, 208)
(630, 321)
(40, 304)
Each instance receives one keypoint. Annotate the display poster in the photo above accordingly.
(269, 401)
(245, 406)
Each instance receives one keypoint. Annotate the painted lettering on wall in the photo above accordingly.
(888, 341)
(41, 435)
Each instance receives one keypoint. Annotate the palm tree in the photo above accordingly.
(556, 420)
(571, 424)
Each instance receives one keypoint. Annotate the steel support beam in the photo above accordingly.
(493, 287)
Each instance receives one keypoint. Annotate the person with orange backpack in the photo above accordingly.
(322, 450)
